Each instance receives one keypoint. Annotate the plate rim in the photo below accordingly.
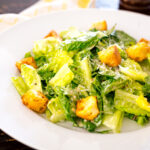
(36, 18)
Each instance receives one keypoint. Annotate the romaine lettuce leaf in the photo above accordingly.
(55, 112)
(124, 38)
(58, 59)
(86, 41)
(66, 104)
(146, 87)
(114, 121)
(110, 85)
(141, 120)
(28, 54)
(20, 85)
(145, 65)
(31, 77)
(62, 77)
(133, 87)
(133, 70)
(45, 46)
(45, 72)
(86, 72)
(107, 41)
(41, 60)
(127, 102)
(71, 32)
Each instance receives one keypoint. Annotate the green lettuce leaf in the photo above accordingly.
(28, 54)
(71, 32)
(141, 120)
(114, 121)
(62, 77)
(125, 39)
(133, 70)
(58, 59)
(45, 46)
(31, 77)
(45, 72)
(55, 112)
(86, 41)
(127, 102)
(20, 85)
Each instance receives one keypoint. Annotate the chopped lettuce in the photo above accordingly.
(20, 85)
(125, 39)
(133, 70)
(41, 60)
(86, 72)
(31, 77)
(146, 87)
(69, 69)
(107, 41)
(66, 104)
(55, 112)
(133, 87)
(45, 46)
(141, 120)
(28, 54)
(45, 72)
(71, 32)
(82, 69)
(110, 85)
(86, 41)
(63, 77)
(114, 121)
(58, 59)
(127, 102)
(145, 65)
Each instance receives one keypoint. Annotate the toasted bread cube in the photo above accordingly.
(87, 108)
(101, 25)
(139, 51)
(110, 56)
(28, 61)
(35, 100)
(144, 40)
(52, 34)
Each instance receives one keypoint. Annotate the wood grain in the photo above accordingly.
(14, 6)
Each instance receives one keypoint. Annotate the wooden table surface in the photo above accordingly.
(13, 6)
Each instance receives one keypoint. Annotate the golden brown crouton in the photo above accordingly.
(87, 108)
(101, 25)
(144, 40)
(110, 56)
(28, 61)
(35, 100)
(52, 34)
(139, 51)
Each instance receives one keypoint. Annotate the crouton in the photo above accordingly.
(101, 25)
(87, 108)
(138, 52)
(144, 40)
(28, 61)
(35, 100)
(110, 56)
(52, 33)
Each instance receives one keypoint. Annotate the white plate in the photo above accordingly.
(30, 128)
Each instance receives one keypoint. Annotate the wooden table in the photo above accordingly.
(13, 6)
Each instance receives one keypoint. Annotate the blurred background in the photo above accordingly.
(142, 6)
(13, 11)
